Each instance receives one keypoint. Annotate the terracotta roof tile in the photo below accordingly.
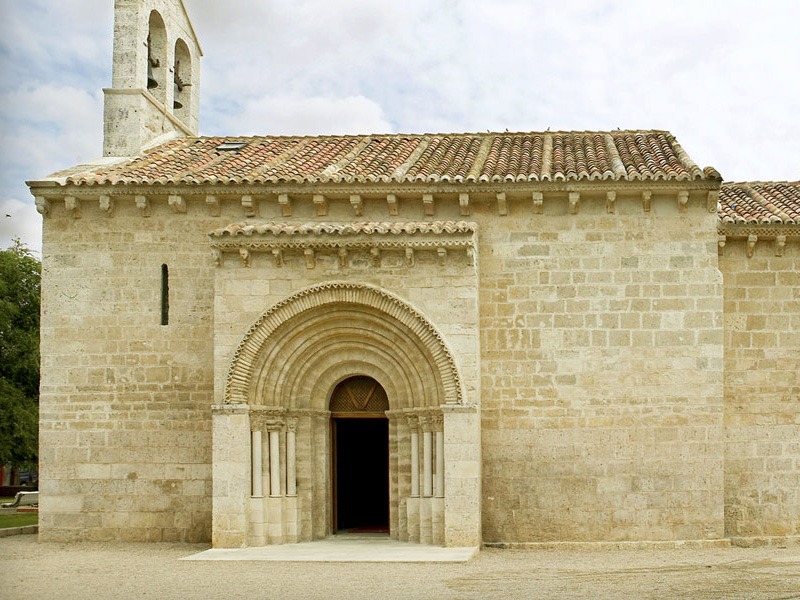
(760, 202)
(463, 157)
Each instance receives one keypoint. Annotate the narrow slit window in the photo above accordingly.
(164, 295)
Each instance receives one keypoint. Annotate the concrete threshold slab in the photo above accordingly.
(343, 548)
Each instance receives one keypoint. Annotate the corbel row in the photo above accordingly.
(343, 254)
(778, 243)
(321, 202)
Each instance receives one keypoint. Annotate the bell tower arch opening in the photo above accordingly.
(157, 57)
(154, 93)
(359, 457)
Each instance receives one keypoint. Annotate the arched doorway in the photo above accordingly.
(359, 457)
(273, 452)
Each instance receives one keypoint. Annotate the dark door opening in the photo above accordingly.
(361, 475)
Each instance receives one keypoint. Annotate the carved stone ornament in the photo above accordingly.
(372, 237)
(241, 367)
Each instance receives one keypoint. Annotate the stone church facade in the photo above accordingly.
(510, 338)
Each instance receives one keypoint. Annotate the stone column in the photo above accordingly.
(258, 492)
(439, 433)
(231, 475)
(274, 506)
(413, 501)
(274, 429)
(414, 427)
(427, 456)
(291, 456)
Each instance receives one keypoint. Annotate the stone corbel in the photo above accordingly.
(343, 258)
(376, 256)
(721, 240)
(73, 205)
(216, 257)
(213, 205)
(538, 202)
(712, 201)
(177, 203)
(286, 205)
(42, 205)
(409, 257)
(249, 206)
(574, 202)
(310, 258)
(751, 245)
(427, 205)
(471, 256)
(391, 201)
(683, 201)
(321, 204)
(502, 204)
(442, 253)
(107, 205)
(357, 203)
(463, 203)
(611, 202)
(780, 245)
(244, 253)
(277, 256)
(646, 195)
(143, 204)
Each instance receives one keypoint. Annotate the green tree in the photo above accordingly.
(20, 293)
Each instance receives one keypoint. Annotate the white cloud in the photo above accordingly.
(308, 116)
(20, 220)
(723, 77)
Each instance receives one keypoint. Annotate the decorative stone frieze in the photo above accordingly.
(438, 236)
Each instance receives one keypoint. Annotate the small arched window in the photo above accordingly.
(182, 76)
(157, 57)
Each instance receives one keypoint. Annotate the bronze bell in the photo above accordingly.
(151, 81)
(178, 87)
(177, 103)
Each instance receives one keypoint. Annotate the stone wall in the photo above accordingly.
(599, 374)
(762, 390)
(125, 422)
(601, 363)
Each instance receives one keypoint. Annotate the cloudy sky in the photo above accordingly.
(723, 76)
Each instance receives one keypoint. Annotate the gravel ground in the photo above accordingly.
(29, 569)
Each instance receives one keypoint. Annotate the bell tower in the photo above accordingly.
(155, 77)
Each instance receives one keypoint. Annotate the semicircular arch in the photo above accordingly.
(318, 333)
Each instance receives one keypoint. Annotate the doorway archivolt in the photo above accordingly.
(291, 356)
(283, 375)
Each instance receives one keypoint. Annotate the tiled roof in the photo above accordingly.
(760, 202)
(463, 157)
